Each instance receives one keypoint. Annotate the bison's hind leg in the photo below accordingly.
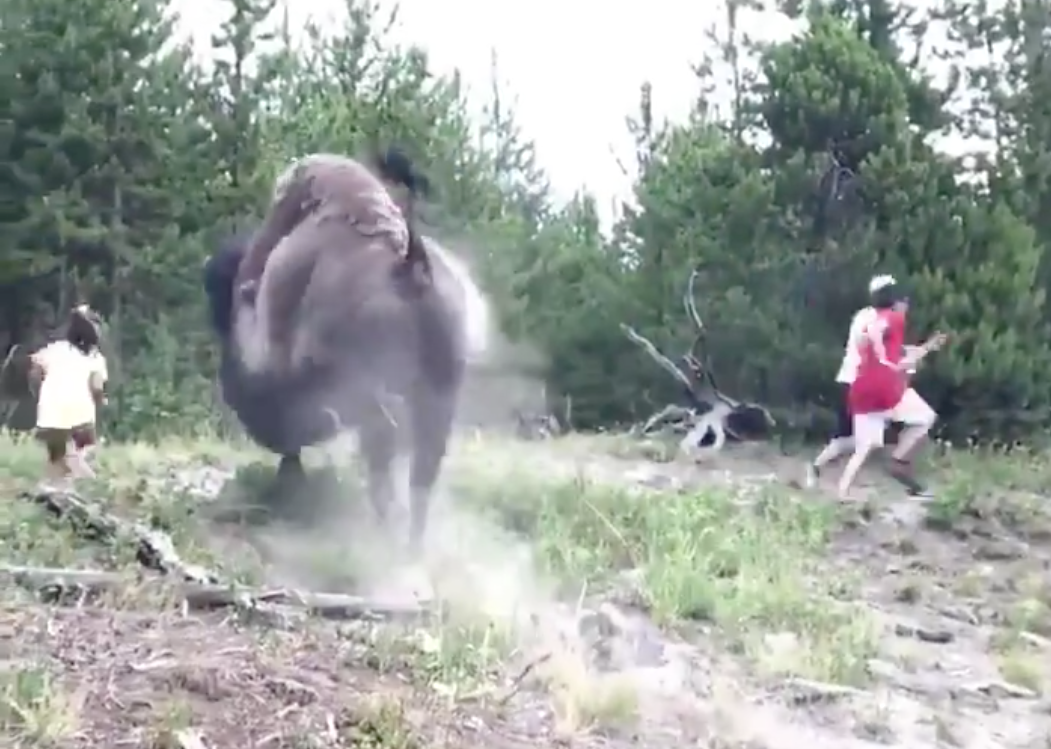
(432, 420)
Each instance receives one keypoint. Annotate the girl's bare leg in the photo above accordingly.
(836, 448)
(850, 471)
(83, 440)
(909, 442)
(842, 441)
(868, 435)
(79, 467)
(56, 443)
(918, 418)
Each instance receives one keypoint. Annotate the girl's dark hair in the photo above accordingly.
(82, 331)
(886, 296)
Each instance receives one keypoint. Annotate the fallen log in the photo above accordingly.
(156, 550)
(200, 587)
(198, 596)
(710, 412)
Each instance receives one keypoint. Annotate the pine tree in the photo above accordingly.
(95, 136)
(238, 92)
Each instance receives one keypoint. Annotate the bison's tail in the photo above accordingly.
(396, 167)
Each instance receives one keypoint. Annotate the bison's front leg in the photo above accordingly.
(432, 421)
(379, 447)
(290, 476)
(290, 468)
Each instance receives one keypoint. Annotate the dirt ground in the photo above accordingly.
(136, 678)
(933, 628)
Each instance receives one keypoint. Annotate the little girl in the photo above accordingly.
(70, 377)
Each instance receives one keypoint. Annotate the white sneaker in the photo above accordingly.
(921, 495)
(813, 474)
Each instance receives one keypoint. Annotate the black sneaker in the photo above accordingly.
(901, 471)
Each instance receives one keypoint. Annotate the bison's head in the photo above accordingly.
(220, 273)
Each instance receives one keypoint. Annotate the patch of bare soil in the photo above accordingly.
(964, 612)
(94, 677)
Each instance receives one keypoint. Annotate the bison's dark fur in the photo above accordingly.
(355, 321)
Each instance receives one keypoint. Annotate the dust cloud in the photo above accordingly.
(480, 571)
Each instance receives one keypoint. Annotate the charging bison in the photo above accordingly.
(336, 314)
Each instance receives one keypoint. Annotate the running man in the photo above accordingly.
(881, 393)
(70, 375)
(842, 441)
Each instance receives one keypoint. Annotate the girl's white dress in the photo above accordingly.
(65, 400)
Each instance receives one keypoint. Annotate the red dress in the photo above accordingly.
(878, 387)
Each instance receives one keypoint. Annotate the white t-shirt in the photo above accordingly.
(65, 399)
(848, 369)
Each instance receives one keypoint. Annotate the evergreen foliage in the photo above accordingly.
(123, 159)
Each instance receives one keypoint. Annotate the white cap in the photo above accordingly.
(880, 282)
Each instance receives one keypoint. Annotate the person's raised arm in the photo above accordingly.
(916, 354)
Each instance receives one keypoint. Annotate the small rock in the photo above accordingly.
(631, 592)
(905, 546)
(908, 593)
(808, 692)
(915, 683)
(946, 733)
(961, 614)
(652, 479)
(1035, 640)
(1038, 531)
(1004, 690)
(904, 515)
(999, 551)
(292, 691)
(938, 636)
(875, 730)
(781, 642)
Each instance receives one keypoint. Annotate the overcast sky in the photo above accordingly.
(572, 67)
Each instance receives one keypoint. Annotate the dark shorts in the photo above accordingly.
(57, 440)
(844, 421)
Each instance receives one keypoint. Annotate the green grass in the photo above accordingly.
(743, 567)
(750, 564)
(1006, 485)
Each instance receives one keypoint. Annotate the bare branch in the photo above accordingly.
(671, 412)
(651, 351)
(689, 302)
(702, 389)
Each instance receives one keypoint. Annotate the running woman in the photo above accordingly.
(842, 441)
(881, 393)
